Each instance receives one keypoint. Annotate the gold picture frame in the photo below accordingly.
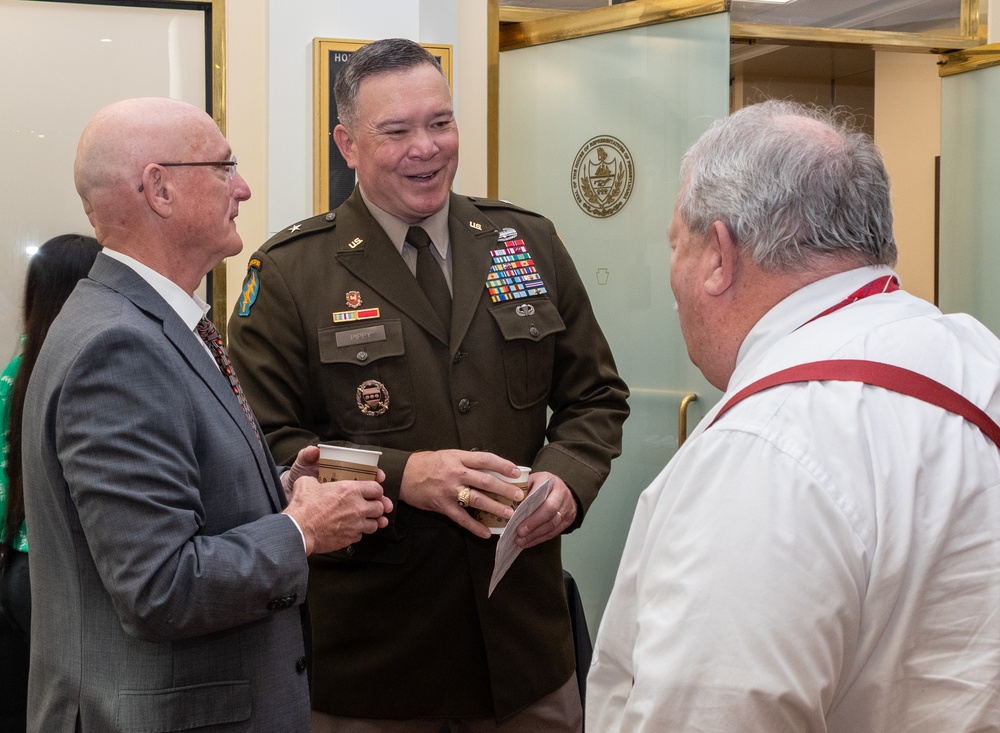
(332, 180)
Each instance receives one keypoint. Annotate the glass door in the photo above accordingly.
(591, 133)
(969, 258)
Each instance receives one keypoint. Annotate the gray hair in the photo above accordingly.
(787, 192)
(377, 57)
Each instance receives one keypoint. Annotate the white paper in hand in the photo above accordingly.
(507, 551)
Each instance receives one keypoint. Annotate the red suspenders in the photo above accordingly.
(875, 373)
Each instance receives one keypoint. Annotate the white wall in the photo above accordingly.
(270, 95)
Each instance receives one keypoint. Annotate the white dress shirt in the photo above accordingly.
(826, 557)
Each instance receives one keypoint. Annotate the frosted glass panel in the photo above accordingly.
(59, 64)
(969, 260)
(654, 89)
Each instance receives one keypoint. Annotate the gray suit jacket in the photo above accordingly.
(165, 584)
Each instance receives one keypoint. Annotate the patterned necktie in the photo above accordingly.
(210, 335)
(429, 275)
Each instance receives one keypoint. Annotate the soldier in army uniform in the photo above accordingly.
(342, 337)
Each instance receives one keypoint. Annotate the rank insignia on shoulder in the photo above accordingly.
(372, 398)
(353, 299)
(251, 285)
(512, 274)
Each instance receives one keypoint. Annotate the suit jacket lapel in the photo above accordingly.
(473, 237)
(132, 286)
(374, 260)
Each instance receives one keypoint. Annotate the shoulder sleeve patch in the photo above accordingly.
(251, 286)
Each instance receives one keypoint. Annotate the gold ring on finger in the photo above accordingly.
(463, 496)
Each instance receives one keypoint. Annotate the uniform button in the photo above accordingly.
(459, 356)
(534, 331)
(465, 405)
(331, 216)
(362, 355)
(349, 550)
(300, 665)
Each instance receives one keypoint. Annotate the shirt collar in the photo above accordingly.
(191, 309)
(436, 226)
(795, 310)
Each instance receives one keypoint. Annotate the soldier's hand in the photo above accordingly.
(552, 516)
(436, 480)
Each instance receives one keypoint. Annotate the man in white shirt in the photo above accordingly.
(826, 556)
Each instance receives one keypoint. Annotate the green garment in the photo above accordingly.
(6, 382)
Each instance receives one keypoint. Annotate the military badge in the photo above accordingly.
(506, 234)
(373, 398)
(361, 315)
(251, 285)
(602, 176)
(513, 274)
(353, 298)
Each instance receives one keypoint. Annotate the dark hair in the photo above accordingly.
(54, 271)
(377, 57)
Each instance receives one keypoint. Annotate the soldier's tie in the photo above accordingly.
(429, 275)
(210, 335)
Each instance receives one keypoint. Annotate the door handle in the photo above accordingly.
(682, 417)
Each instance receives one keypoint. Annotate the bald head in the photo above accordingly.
(125, 136)
(159, 184)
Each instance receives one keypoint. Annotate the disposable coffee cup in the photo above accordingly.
(495, 523)
(337, 463)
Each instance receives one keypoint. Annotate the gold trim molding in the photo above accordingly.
(603, 20)
(970, 59)
(791, 35)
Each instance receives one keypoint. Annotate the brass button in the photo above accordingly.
(534, 331)
(362, 355)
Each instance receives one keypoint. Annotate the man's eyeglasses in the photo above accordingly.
(229, 164)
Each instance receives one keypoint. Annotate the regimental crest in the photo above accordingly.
(602, 176)
(353, 299)
(373, 398)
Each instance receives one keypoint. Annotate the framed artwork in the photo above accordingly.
(333, 181)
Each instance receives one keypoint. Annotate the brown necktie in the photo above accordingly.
(429, 275)
(210, 335)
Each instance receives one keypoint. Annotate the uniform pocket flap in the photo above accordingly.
(360, 344)
(183, 708)
(528, 319)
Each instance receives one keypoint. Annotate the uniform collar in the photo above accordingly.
(435, 225)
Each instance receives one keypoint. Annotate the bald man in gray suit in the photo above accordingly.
(168, 556)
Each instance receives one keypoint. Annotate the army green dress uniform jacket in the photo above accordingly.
(335, 342)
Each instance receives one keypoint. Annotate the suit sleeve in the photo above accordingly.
(588, 399)
(169, 499)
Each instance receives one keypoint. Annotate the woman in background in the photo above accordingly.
(52, 274)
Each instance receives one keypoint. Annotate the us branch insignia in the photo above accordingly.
(602, 177)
